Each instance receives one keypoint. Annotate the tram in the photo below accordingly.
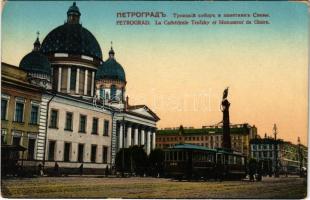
(186, 161)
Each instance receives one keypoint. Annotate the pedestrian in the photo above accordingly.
(81, 169)
(40, 169)
(106, 171)
(56, 169)
(252, 169)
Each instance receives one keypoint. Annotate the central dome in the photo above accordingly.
(71, 39)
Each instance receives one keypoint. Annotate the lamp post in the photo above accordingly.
(123, 152)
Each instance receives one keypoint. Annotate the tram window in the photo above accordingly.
(218, 158)
(210, 157)
(171, 155)
(202, 156)
(175, 156)
(180, 156)
(230, 159)
(238, 160)
(242, 161)
(226, 159)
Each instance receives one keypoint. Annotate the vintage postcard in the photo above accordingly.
(154, 99)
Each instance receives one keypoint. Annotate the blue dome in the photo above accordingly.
(111, 69)
(72, 39)
(35, 62)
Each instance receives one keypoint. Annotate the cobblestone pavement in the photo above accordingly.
(92, 186)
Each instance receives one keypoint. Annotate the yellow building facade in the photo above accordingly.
(19, 110)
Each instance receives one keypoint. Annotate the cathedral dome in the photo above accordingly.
(36, 62)
(111, 69)
(72, 38)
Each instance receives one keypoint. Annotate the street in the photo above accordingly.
(136, 187)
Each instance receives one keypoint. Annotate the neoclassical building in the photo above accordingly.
(84, 116)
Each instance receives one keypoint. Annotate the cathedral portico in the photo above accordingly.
(130, 132)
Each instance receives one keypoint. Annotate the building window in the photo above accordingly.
(73, 79)
(19, 111)
(67, 152)
(106, 128)
(4, 106)
(34, 114)
(69, 117)
(113, 92)
(82, 128)
(54, 119)
(81, 153)
(51, 150)
(265, 154)
(105, 154)
(16, 140)
(95, 126)
(93, 153)
(31, 146)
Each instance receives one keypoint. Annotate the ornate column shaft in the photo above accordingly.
(68, 79)
(136, 136)
(154, 140)
(120, 141)
(59, 79)
(85, 82)
(148, 142)
(128, 136)
(142, 137)
(92, 83)
(77, 83)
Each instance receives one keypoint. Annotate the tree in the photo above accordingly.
(122, 160)
(139, 160)
(156, 162)
(134, 158)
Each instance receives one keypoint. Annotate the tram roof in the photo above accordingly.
(191, 146)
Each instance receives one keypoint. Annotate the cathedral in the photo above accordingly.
(83, 114)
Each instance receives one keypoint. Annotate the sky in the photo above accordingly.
(180, 72)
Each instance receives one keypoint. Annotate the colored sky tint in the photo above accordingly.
(180, 72)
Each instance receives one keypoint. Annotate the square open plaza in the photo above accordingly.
(66, 120)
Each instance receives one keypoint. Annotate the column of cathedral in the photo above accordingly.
(147, 136)
(65, 73)
(77, 83)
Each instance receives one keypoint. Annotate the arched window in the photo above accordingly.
(113, 92)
